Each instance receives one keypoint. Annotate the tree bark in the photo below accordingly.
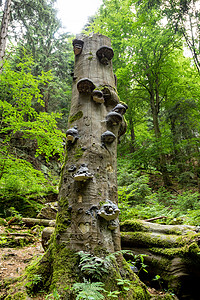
(132, 146)
(85, 198)
(4, 31)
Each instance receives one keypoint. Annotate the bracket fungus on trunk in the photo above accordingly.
(97, 96)
(105, 54)
(77, 46)
(109, 211)
(85, 86)
(72, 134)
(107, 137)
(113, 118)
(83, 173)
(120, 108)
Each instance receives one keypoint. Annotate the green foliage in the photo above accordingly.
(133, 187)
(113, 294)
(124, 284)
(17, 91)
(175, 207)
(21, 186)
(42, 36)
(19, 181)
(92, 266)
(34, 284)
(53, 296)
(138, 261)
(159, 84)
(88, 290)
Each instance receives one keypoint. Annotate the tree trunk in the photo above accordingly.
(87, 218)
(4, 31)
(84, 198)
(163, 163)
(132, 146)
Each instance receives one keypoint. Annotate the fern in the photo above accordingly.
(88, 290)
(92, 266)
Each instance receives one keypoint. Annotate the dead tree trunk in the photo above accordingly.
(89, 183)
(87, 218)
(4, 31)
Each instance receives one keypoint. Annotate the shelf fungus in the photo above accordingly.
(97, 96)
(113, 118)
(109, 211)
(107, 137)
(77, 46)
(72, 134)
(85, 86)
(120, 108)
(83, 173)
(105, 54)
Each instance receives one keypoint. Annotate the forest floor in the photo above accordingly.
(14, 259)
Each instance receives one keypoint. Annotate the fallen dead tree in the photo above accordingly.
(30, 222)
(172, 252)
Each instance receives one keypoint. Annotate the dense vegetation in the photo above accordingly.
(156, 61)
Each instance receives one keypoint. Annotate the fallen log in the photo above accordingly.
(141, 225)
(42, 222)
(171, 251)
(156, 218)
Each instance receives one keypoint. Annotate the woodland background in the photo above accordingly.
(157, 63)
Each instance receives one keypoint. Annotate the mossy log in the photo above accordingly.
(172, 252)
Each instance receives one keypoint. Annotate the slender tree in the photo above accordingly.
(4, 30)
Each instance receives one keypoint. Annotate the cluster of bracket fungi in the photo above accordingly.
(108, 211)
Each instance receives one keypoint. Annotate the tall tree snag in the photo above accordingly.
(89, 183)
(87, 220)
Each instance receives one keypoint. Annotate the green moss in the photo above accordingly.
(78, 153)
(17, 296)
(63, 202)
(65, 264)
(170, 252)
(193, 248)
(149, 239)
(76, 117)
(63, 217)
(41, 270)
(62, 169)
(133, 225)
(90, 57)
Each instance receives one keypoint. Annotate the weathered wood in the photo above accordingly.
(86, 229)
(42, 222)
(156, 218)
(171, 252)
